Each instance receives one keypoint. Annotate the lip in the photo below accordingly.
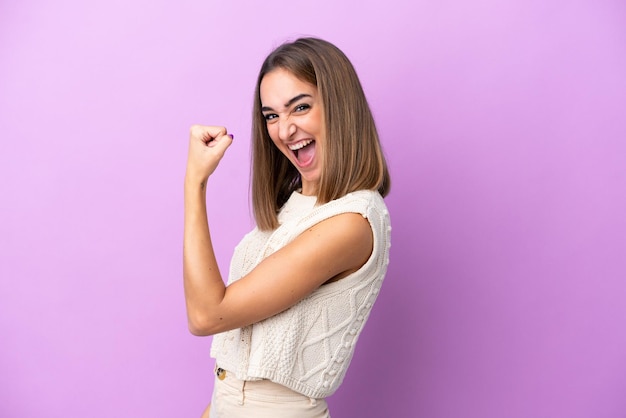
(294, 146)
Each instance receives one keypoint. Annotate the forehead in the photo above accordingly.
(281, 85)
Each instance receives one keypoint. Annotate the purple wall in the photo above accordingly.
(505, 128)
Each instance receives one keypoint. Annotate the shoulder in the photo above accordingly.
(348, 227)
(368, 203)
(363, 209)
(355, 212)
(371, 206)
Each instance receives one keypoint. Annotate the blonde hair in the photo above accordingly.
(353, 158)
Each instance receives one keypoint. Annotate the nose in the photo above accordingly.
(286, 128)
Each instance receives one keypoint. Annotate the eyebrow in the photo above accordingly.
(289, 103)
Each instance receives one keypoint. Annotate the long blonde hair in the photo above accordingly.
(353, 158)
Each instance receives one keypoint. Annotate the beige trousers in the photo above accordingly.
(234, 398)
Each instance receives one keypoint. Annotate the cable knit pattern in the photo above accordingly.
(307, 347)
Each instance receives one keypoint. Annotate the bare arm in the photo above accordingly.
(328, 250)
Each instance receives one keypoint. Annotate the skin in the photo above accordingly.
(207, 412)
(328, 251)
(293, 111)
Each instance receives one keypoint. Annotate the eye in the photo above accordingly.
(302, 107)
(270, 116)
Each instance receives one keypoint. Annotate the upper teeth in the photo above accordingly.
(301, 144)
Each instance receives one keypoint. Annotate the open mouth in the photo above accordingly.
(304, 151)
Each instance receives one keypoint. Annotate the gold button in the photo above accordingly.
(221, 373)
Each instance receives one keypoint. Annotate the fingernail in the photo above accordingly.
(231, 136)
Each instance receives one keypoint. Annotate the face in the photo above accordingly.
(293, 113)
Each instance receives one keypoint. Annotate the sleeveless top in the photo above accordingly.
(307, 347)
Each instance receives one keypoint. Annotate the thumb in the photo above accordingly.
(221, 142)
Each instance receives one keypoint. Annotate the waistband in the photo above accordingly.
(264, 389)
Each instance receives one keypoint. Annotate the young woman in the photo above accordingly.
(303, 282)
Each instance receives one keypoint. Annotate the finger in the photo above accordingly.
(212, 133)
(221, 143)
(205, 133)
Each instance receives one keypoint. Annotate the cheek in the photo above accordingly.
(315, 122)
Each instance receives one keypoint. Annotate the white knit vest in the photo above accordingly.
(307, 347)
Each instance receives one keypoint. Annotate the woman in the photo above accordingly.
(303, 282)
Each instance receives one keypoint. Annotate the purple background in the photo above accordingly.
(505, 129)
